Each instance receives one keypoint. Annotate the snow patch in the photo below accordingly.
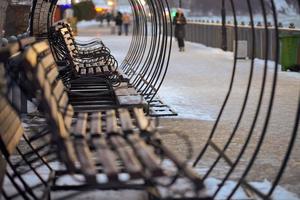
(86, 24)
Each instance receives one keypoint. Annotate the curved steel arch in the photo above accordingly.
(268, 12)
(146, 63)
(148, 57)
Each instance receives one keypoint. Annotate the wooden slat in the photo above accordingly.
(111, 122)
(58, 90)
(143, 124)
(47, 92)
(47, 61)
(63, 102)
(105, 155)
(7, 127)
(131, 163)
(10, 126)
(83, 71)
(125, 119)
(57, 118)
(40, 75)
(125, 91)
(131, 100)
(144, 152)
(71, 47)
(52, 74)
(5, 111)
(11, 146)
(41, 46)
(31, 57)
(82, 149)
(142, 121)
(3, 104)
(98, 69)
(68, 41)
(58, 126)
(90, 70)
(105, 69)
(68, 116)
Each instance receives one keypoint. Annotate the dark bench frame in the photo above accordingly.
(124, 128)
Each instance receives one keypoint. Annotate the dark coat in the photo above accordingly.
(119, 19)
(179, 21)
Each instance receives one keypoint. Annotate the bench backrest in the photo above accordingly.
(16, 185)
(103, 57)
(68, 27)
(41, 71)
(11, 129)
(10, 124)
(69, 41)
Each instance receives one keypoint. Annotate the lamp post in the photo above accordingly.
(224, 33)
(180, 3)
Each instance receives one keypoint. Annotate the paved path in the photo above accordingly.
(196, 86)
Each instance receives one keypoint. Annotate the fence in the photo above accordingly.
(210, 34)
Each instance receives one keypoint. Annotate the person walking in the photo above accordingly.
(119, 22)
(180, 21)
(108, 17)
(126, 22)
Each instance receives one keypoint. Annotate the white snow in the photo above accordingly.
(85, 24)
(279, 193)
(183, 94)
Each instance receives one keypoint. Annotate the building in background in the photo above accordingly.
(10, 11)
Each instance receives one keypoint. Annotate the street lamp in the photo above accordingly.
(180, 3)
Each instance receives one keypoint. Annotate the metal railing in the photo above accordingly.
(210, 34)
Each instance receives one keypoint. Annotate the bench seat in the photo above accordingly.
(112, 142)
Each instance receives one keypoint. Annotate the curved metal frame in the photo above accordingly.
(222, 151)
(148, 57)
(147, 62)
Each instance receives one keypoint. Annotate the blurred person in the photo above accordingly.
(180, 21)
(119, 22)
(100, 17)
(126, 22)
(108, 18)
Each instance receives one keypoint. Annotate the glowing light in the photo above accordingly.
(110, 3)
(98, 9)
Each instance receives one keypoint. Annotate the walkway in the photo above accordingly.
(196, 86)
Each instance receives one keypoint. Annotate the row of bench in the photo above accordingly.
(91, 65)
(117, 142)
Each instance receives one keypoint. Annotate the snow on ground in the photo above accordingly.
(195, 86)
(211, 185)
(86, 24)
(197, 80)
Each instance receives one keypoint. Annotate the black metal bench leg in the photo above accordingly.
(37, 154)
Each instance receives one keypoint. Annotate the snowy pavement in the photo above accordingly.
(196, 85)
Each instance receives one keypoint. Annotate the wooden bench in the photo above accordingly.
(102, 60)
(10, 56)
(111, 142)
(97, 92)
(89, 45)
(16, 181)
